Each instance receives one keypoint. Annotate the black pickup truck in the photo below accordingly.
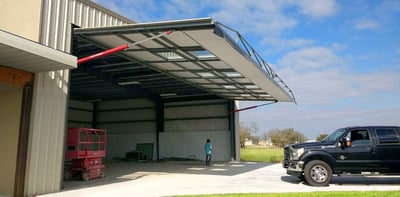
(351, 150)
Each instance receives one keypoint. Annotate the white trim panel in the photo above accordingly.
(23, 54)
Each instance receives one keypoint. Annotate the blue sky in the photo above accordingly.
(341, 58)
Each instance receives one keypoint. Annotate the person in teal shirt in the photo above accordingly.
(208, 150)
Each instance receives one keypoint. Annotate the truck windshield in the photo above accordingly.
(334, 136)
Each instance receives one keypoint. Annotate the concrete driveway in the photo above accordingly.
(189, 177)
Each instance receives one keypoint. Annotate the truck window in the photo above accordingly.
(334, 136)
(359, 137)
(387, 136)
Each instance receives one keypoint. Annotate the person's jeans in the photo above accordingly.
(208, 159)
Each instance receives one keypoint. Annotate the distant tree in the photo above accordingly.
(280, 138)
(321, 137)
(256, 140)
(276, 137)
(246, 131)
(253, 127)
(264, 136)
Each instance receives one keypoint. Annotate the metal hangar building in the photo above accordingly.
(175, 84)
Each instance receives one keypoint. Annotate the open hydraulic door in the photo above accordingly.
(200, 55)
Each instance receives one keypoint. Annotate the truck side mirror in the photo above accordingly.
(344, 142)
(348, 142)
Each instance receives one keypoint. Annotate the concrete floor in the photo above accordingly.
(193, 177)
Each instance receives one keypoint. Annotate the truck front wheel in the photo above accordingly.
(317, 173)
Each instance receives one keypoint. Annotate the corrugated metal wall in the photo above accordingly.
(132, 121)
(189, 124)
(127, 122)
(80, 114)
(45, 156)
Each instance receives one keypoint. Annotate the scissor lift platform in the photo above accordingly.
(85, 149)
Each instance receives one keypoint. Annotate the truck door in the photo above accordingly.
(360, 154)
(388, 149)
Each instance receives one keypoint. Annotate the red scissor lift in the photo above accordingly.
(85, 150)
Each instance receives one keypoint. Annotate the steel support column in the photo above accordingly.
(159, 124)
(232, 128)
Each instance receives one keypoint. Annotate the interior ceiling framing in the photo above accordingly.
(197, 60)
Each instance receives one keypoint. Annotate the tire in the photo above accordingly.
(67, 174)
(85, 176)
(318, 173)
(102, 173)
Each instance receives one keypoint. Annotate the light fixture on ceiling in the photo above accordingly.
(206, 74)
(170, 55)
(128, 83)
(265, 95)
(245, 95)
(251, 87)
(203, 54)
(229, 86)
(232, 74)
(168, 94)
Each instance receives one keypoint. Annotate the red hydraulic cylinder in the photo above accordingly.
(252, 107)
(247, 108)
(103, 53)
(119, 48)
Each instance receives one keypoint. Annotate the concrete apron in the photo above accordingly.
(194, 177)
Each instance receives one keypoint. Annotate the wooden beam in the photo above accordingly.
(15, 77)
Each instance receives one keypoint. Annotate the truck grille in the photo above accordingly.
(287, 153)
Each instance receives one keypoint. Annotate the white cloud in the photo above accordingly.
(278, 44)
(310, 59)
(329, 96)
(317, 87)
(388, 7)
(375, 83)
(317, 9)
(318, 76)
(329, 99)
(258, 17)
(318, 120)
(366, 24)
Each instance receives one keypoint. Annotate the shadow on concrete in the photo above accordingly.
(120, 171)
(291, 179)
(351, 180)
(366, 180)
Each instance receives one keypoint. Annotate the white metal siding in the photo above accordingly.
(47, 131)
(127, 122)
(58, 15)
(189, 124)
(46, 139)
(191, 145)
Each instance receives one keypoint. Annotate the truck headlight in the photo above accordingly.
(296, 153)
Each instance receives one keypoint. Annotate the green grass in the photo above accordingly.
(261, 154)
(310, 194)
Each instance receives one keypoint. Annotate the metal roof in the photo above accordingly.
(199, 59)
(23, 54)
